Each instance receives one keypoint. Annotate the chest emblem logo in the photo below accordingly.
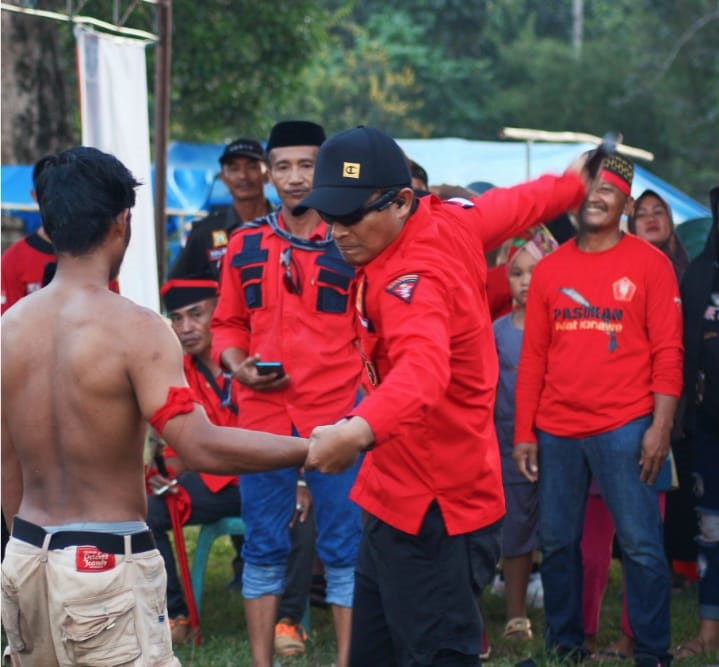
(624, 289)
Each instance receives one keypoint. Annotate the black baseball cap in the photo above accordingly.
(350, 166)
(243, 147)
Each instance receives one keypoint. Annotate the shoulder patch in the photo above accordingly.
(403, 287)
(219, 238)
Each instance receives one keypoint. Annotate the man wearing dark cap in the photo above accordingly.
(286, 297)
(244, 172)
(205, 498)
(597, 388)
(431, 481)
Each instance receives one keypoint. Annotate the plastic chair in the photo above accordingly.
(209, 532)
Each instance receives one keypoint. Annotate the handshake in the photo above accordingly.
(335, 448)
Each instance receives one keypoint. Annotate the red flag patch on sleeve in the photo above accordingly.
(403, 287)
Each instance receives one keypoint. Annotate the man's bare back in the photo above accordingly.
(82, 370)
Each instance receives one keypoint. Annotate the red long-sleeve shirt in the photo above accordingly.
(603, 333)
(23, 265)
(426, 337)
(311, 333)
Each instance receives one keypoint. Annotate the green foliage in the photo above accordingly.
(235, 62)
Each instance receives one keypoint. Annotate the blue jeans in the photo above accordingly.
(566, 466)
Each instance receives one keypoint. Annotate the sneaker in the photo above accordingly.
(180, 629)
(290, 638)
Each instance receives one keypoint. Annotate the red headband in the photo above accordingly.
(616, 180)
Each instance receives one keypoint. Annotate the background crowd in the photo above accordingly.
(253, 284)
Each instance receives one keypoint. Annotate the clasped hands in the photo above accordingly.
(335, 448)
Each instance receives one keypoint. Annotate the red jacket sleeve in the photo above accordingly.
(230, 321)
(416, 336)
(506, 212)
(532, 361)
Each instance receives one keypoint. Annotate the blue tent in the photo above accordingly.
(192, 186)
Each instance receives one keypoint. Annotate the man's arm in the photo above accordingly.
(416, 336)
(11, 475)
(530, 378)
(657, 438)
(506, 212)
(155, 367)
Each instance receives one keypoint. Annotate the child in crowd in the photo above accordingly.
(519, 532)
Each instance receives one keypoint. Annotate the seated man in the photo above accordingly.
(189, 305)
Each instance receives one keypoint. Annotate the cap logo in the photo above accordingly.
(350, 170)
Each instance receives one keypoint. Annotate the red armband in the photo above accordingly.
(180, 401)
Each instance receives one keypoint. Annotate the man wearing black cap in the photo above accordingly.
(189, 304)
(597, 388)
(431, 481)
(244, 172)
(285, 298)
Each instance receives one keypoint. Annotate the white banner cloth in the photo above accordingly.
(114, 110)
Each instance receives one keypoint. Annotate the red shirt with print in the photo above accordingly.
(603, 333)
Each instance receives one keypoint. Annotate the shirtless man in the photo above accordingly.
(84, 369)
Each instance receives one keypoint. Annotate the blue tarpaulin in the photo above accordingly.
(192, 168)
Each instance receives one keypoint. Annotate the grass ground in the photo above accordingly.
(224, 636)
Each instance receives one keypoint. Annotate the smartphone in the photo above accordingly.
(270, 367)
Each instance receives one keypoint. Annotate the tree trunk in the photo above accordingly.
(37, 106)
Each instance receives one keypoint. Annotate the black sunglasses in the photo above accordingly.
(291, 276)
(382, 202)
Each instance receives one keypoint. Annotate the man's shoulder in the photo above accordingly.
(258, 225)
(211, 222)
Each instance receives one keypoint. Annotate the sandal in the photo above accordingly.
(693, 649)
(518, 628)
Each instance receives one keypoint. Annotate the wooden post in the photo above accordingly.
(162, 121)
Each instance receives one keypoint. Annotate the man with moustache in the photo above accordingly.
(597, 387)
(244, 172)
(285, 297)
(431, 484)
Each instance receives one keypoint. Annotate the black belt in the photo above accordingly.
(105, 542)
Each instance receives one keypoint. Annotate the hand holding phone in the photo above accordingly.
(270, 368)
